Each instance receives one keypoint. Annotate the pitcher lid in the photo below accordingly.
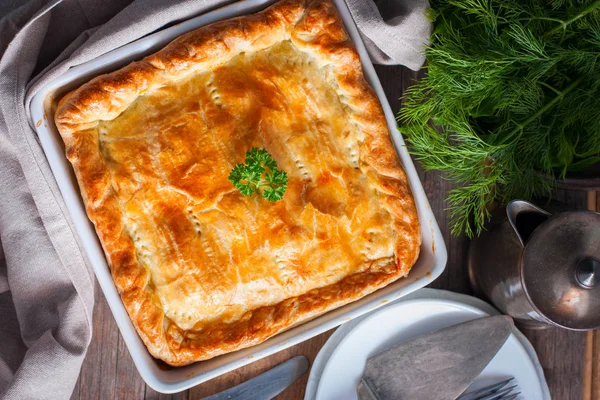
(561, 269)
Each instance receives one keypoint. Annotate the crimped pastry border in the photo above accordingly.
(315, 28)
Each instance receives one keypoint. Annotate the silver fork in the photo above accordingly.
(495, 391)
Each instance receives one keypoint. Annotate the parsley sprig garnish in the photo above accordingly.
(259, 173)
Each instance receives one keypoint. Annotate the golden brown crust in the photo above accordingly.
(313, 28)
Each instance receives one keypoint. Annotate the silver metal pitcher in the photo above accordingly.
(542, 269)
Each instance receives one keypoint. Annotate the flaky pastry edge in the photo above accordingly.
(314, 27)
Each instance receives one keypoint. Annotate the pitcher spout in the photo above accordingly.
(524, 218)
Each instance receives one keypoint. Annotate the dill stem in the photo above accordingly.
(558, 92)
(545, 108)
(581, 14)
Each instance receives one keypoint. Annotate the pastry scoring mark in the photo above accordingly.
(213, 91)
(194, 220)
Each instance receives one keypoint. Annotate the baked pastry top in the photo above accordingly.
(203, 270)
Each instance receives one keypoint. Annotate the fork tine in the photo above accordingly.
(476, 394)
(511, 396)
(497, 395)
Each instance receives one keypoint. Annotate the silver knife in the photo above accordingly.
(268, 384)
(440, 365)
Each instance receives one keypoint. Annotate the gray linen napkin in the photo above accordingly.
(394, 31)
(46, 284)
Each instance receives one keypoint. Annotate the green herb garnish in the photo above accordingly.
(511, 100)
(259, 173)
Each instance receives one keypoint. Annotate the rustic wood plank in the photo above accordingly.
(595, 370)
(592, 201)
(129, 384)
(594, 344)
(98, 372)
(591, 373)
(154, 395)
(561, 353)
(588, 366)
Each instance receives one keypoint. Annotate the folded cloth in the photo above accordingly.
(46, 284)
(394, 31)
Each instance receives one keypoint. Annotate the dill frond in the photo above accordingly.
(510, 102)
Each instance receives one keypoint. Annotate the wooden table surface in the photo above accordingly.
(570, 359)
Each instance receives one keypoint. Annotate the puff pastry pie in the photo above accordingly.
(203, 270)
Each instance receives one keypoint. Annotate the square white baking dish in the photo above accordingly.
(430, 265)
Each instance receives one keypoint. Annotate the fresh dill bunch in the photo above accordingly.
(510, 102)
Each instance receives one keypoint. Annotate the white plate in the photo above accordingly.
(429, 266)
(407, 319)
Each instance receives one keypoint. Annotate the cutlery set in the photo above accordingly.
(495, 391)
